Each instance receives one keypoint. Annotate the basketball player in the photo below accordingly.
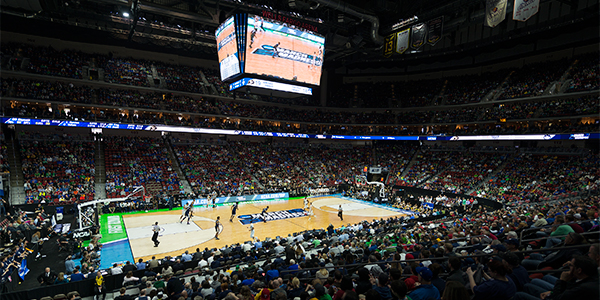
(217, 225)
(190, 214)
(252, 36)
(185, 213)
(340, 212)
(155, 231)
(276, 50)
(233, 211)
(310, 210)
(264, 214)
(306, 203)
(251, 230)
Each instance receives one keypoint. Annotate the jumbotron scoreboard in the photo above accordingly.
(266, 54)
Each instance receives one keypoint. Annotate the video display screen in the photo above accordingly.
(227, 49)
(282, 51)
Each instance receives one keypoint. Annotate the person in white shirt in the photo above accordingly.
(116, 270)
(203, 263)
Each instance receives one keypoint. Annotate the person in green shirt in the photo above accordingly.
(559, 230)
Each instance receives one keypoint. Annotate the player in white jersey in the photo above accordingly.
(185, 212)
(252, 230)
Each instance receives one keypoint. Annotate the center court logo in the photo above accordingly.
(269, 50)
(273, 216)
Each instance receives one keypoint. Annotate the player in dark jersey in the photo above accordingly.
(276, 49)
(186, 212)
(264, 214)
(233, 211)
(217, 225)
(190, 214)
(252, 36)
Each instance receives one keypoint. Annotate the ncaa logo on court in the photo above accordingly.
(272, 216)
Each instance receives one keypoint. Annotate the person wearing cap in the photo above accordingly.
(540, 221)
(159, 296)
(499, 248)
(425, 290)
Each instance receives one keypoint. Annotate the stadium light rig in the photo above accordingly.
(406, 22)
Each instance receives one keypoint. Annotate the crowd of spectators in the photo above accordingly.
(465, 173)
(70, 93)
(585, 75)
(57, 168)
(471, 88)
(544, 176)
(587, 105)
(466, 252)
(4, 164)
(532, 80)
(138, 161)
(218, 169)
(426, 164)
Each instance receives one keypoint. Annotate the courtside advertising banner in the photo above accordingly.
(402, 39)
(419, 34)
(525, 9)
(495, 12)
(435, 27)
(233, 199)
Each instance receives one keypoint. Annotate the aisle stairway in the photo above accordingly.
(413, 160)
(183, 182)
(100, 174)
(486, 179)
(17, 192)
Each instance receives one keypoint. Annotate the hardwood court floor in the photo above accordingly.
(177, 238)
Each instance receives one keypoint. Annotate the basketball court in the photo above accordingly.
(285, 217)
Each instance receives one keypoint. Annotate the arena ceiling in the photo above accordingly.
(354, 29)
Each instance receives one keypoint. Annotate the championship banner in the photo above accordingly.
(388, 45)
(419, 33)
(495, 12)
(435, 27)
(402, 39)
(525, 9)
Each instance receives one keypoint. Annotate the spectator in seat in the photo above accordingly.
(498, 285)
(424, 290)
(456, 274)
(128, 267)
(129, 279)
(455, 290)
(77, 276)
(141, 265)
(61, 278)
(381, 286)
(439, 283)
(122, 295)
(116, 270)
(579, 282)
